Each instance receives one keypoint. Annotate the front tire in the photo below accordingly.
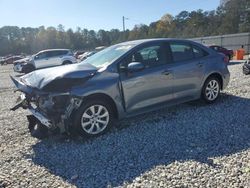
(93, 118)
(28, 68)
(36, 129)
(211, 90)
(66, 63)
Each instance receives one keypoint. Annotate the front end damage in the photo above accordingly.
(51, 113)
(49, 100)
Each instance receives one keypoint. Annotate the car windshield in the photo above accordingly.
(107, 56)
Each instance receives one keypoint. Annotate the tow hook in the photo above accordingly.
(21, 102)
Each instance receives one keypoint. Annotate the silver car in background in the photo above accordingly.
(119, 82)
(45, 59)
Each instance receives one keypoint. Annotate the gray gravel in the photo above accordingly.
(189, 145)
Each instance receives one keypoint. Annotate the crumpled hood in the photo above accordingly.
(40, 78)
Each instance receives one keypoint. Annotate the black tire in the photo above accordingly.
(37, 129)
(77, 127)
(67, 62)
(28, 68)
(205, 95)
(246, 68)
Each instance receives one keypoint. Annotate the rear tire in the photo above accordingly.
(93, 118)
(211, 90)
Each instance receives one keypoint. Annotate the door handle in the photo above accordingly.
(200, 64)
(166, 72)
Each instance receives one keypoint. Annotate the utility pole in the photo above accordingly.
(123, 23)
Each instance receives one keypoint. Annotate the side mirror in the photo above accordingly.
(135, 67)
(36, 57)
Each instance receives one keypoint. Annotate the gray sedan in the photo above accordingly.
(119, 82)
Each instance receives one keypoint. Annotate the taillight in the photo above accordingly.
(226, 59)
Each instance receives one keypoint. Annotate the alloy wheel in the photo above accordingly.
(212, 90)
(95, 119)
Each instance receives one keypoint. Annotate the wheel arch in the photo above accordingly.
(216, 75)
(105, 98)
(66, 61)
(28, 68)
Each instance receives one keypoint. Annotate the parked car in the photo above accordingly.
(228, 53)
(23, 60)
(45, 59)
(78, 53)
(246, 67)
(10, 60)
(121, 81)
(86, 55)
(2, 60)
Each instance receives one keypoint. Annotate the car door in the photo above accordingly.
(40, 60)
(187, 69)
(53, 58)
(57, 58)
(150, 86)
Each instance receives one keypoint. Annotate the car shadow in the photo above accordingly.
(191, 131)
(233, 62)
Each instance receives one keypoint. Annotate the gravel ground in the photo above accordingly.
(189, 145)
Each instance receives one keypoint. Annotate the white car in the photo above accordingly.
(44, 59)
(86, 55)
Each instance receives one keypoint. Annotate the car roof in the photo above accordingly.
(49, 50)
(214, 45)
(141, 41)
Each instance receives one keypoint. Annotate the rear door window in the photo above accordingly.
(181, 51)
(51, 54)
(62, 52)
(198, 52)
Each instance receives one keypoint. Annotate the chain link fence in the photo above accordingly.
(232, 41)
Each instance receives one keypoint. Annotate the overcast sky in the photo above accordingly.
(93, 14)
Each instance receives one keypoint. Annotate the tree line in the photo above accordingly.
(234, 17)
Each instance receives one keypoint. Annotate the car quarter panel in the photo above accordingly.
(215, 65)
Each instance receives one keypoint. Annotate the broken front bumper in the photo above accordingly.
(22, 102)
(42, 118)
(52, 120)
(51, 110)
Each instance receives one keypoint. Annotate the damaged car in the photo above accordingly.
(121, 81)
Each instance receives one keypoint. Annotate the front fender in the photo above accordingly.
(111, 88)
